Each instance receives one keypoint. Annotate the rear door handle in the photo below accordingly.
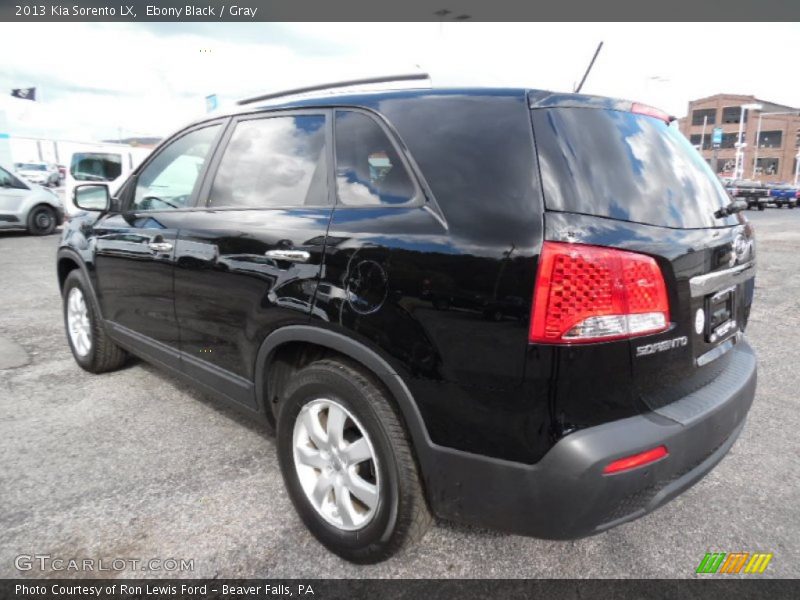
(160, 246)
(288, 255)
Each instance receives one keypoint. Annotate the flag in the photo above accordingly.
(24, 93)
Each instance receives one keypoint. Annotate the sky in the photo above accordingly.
(105, 80)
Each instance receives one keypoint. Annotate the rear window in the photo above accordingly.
(624, 166)
(95, 166)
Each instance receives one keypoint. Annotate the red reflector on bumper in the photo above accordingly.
(636, 460)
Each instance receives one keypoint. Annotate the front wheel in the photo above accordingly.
(42, 220)
(347, 463)
(91, 347)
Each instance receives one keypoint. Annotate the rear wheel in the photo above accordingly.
(761, 206)
(91, 347)
(42, 220)
(347, 463)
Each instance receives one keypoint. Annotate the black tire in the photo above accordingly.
(41, 220)
(401, 517)
(792, 204)
(761, 206)
(104, 355)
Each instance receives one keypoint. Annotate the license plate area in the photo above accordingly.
(720, 310)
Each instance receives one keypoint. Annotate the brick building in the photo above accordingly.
(778, 141)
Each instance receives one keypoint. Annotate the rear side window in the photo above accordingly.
(95, 166)
(369, 171)
(624, 166)
(273, 162)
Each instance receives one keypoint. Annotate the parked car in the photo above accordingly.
(25, 205)
(629, 381)
(39, 173)
(755, 193)
(783, 195)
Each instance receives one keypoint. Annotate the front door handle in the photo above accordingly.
(160, 246)
(288, 255)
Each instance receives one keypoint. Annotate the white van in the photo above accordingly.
(104, 164)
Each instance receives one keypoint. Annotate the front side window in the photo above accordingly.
(273, 162)
(7, 180)
(95, 166)
(169, 180)
(369, 171)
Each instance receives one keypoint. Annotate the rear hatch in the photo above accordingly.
(619, 175)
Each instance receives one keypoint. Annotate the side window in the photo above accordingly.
(273, 162)
(7, 180)
(169, 180)
(369, 171)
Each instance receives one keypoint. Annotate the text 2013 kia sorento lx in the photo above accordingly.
(514, 308)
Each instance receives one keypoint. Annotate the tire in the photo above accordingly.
(761, 206)
(41, 220)
(399, 515)
(102, 354)
(792, 205)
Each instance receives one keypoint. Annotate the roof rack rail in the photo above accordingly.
(338, 84)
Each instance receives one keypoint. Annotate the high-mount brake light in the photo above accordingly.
(589, 293)
(650, 111)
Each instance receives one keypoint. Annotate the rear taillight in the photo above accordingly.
(589, 294)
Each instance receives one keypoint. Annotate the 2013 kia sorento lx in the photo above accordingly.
(514, 308)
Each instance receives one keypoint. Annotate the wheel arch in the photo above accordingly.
(299, 335)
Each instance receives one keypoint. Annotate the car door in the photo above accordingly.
(248, 262)
(12, 194)
(135, 248)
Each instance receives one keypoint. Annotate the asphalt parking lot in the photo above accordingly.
(133, 464)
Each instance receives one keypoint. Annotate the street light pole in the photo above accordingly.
(758, 144)
(796, 168)
(703, 135)
(738, 170)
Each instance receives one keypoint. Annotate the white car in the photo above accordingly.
(25, 205)
(39, 173)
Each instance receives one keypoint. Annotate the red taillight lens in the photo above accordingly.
(589, 293)
(636, 460)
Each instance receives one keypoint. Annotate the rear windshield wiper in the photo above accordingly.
(732, 208)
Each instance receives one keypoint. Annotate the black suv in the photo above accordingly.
(514, 308)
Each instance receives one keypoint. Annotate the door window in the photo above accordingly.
(273, 162)
(369, 171)
(168, 181)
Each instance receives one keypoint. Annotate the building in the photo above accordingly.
(772, 159)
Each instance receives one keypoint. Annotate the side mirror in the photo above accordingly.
(92, 196)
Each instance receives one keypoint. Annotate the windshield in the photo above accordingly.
(32, 167)
(625, 166)
(95, 166)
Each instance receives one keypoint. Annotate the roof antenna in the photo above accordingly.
(589, 68)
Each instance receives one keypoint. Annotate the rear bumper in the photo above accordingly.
(566, 495)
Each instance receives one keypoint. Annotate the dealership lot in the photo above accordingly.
(136, 465)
